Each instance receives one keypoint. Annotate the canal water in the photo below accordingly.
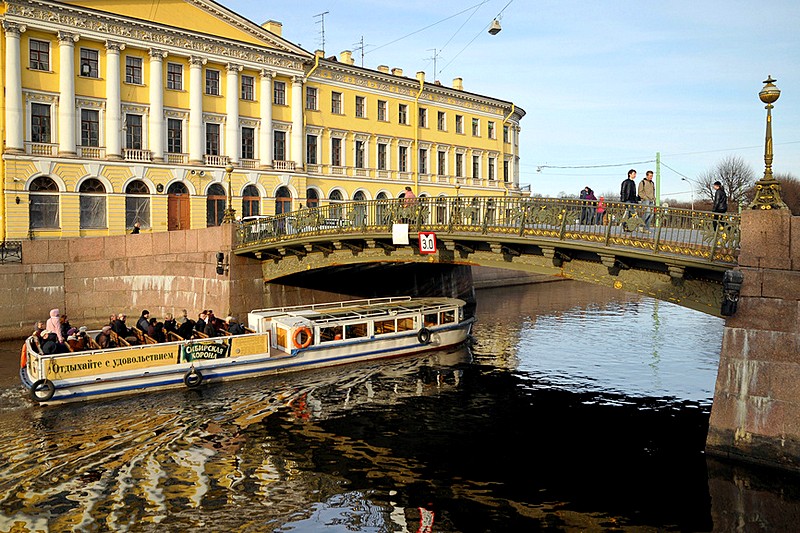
(578, 408)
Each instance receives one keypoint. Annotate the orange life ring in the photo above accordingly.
(23, 357)
(297, 336)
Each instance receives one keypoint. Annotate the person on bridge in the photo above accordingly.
(627, 195)
(408, 197)
(647, 196)
(720, 202)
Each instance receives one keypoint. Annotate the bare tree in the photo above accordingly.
(736, 176)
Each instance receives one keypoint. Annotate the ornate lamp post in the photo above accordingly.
(230, 213)
(768, 190)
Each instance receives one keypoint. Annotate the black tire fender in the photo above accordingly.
(42, 385)
(193, 378)
(424, 336)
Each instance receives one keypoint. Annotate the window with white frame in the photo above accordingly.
(459, 165)
(382, 147)
(279, 146)
(40, 123)
(43, 203)
(476, 127)
(402, 114)
(212, 82)
(39, 55)
(441, 121)
(460, 124)
(311, 98)
(361, 110)
(133, 70)
(402, 158)
(92, 204)
(336, 103)
(441, 163)
(359, 154)
(248, 88)
(505, 134)
(279, 92)
(175, 76)
(336, 152)
(137, 204)
(490, 130)
(311, 149)
(491, 168)
(423, 117)
(423, 160)
(212, 139)
(90, 63)
(90, 127)
(174, 136)
(476, 166)
(248, 143)
(133, 132)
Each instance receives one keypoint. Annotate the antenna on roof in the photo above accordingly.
(435, 57)
(322, 23)
(359, 47)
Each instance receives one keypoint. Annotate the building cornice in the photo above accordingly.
(54, 17)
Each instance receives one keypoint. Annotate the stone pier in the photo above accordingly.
(756, 412)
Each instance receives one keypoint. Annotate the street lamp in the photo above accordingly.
(691, 191)
(768, 190)
(230, 212)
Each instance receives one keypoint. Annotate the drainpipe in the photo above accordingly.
(416, 134)
(303, 108)
(502, 151)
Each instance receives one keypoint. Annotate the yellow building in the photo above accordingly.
(118, 112)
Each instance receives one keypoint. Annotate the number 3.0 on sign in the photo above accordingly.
(427, 243)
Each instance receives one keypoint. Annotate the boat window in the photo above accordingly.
(354, 331)
(405, 324)
(447, 317)
(330, 334)
(280, 337)
(430, 320)
(384, 326)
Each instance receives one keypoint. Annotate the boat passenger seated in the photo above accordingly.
(103, 338)
(186, 329)
(234, 328)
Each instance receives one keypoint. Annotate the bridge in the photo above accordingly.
(681, 258)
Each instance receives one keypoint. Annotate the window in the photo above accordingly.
(311, 98)
(336, 103)
(476, 127)
(174, 76)
(441, 163)
(133, 70)
(505, 171)
(215, 205)
(505, 134)
(336, 152)
(382, 111)
(491, 168)
(248, 88)
(251, 201)
(360, 110)
(89, 63)
(137, 204)
(381, 156)
(174, 136)
(248, 143)
(476, 166)
(212, 139)
(402, 158)
(423, 161)
(280, 145)
(283, 200)
(133, 132)
(39, 55)
(441, 121)
(212, 82)
(43, 203)
(92, 204)
(402, 114)
(459, 123)
(40, 123)
(354, 331)
(90, 127)
(311, 149)
(459, 165)
(278, 93)
(335, 211)
(423, 117)
(490, 130)
(312, 198)
(359, 154)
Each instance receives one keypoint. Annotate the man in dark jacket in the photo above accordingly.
(627, 195)
(720, 201)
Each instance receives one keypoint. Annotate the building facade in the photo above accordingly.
(117, 113)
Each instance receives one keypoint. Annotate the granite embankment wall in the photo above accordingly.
(89, 278)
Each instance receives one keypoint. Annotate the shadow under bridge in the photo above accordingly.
(676, 255)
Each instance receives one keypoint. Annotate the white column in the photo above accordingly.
(15, 128)
(296, 143)
(113, 101)
(265, 133)
(157, 139)
(232, 145)
(196, 132)
(66, 99)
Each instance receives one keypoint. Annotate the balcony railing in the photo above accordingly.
(384, 174)
(91, 152)
(142, 156)
(362, 172)
(337, 170)
(216, 160)
(279, 164)
(312, 168)
(41, 149)
(249, 163)
(177, 159)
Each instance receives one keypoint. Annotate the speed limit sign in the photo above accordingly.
(427, 242)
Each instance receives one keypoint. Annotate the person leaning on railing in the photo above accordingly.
(720, 202)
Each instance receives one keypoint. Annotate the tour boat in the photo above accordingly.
(283, 339)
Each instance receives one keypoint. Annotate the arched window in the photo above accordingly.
(93, 204)
(251, 201)
(359, 209)
(359, 196)
(335, 209)
(43, 205)
(380, 208)
(312, 198)
(283, 200)
(215, 205)
(177, 188)
(137, 204)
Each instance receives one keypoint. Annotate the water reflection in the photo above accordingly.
(579, 408)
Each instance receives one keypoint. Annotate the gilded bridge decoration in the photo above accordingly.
(677, 255)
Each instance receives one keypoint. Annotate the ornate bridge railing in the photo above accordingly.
(699, 235)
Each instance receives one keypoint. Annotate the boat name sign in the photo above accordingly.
(216, 349)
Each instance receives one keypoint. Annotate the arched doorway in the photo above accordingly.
(178, 207)
(251, 202)
(215, 205)
(283, 200)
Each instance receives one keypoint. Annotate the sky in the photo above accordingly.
(605, 85)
